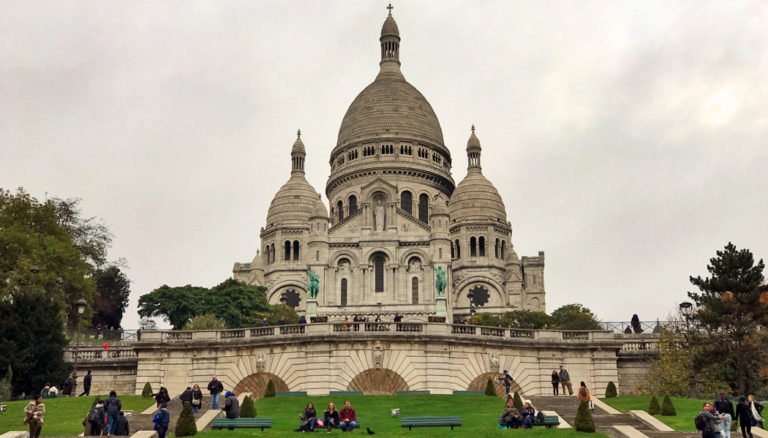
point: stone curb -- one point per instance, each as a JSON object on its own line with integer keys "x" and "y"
{"x": 605, "y": 406}
{"x": 650, "y": 420}
{"x": 629, "y": 432}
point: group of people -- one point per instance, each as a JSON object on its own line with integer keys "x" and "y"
{"x": 523, "y": 419}
{"x": 714, "y": 420}
{"x": 282, "y": 321}
{"x": 561, "y": 378}
{"x": 51, "y": 391}
{"x": 346, "y": 419}
{"x": 107, "y": 418}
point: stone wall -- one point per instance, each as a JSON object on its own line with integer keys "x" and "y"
{"x": 633, "y": 371}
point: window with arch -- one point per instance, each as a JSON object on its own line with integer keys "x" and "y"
{"x": 424, "y": 207}
{"x": 352, "y": 204}
{"x": 378, "y": 273}
{"x": 343, "y": 291}
{"x": 272, "y": 251}
{"x": 472, "y": 246}
{"x": 496, "y": 249}
{"x": 503, "y": 245}
{"x": 534, "y": 279}
{"x": 481, "y": 246}
{"x": 453, "y": 252}
{"x": 415, "y": 290}
{"x": 295, "y": 249}
{"x": 406, "y": 201}
{"x": 340, "y": 210}
{"x": 458, "y": 249}
{"x": 287, "y": 250}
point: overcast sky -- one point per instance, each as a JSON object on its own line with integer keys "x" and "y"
{"x": 627, "y": 139}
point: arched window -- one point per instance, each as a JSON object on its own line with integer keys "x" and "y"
{"x": 534, "y": 279}
{"x": 424, "y": 208}
{"x": 496, "y": 249}
{"x": 352, "y": 204}
{"x": 340, "y": 209}
{"x": 453, "y": 253}
{"x": 406, "y": 201}
{"x": 343, "y": 291}
{"x": 503, "y": 245}
{"x": 273, "y": 253}
{"x": 458, "y": 249}
{"x": 472, "y": 247}
{"x": 287, "y": 250}
{"x": 414, "y": 290}
{"x": 378, "y": 268}
{"x": 481, "y": 246}
{"x": 295, "y": 249}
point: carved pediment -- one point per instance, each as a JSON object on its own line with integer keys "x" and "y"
{"x": 350, "y": 225}
{"x": 378, "y": 185}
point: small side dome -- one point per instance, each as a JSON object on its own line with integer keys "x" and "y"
{"x": 294, "y": 203}
{"x": 320, "y": 210}
{"x": 439, "y": 206}
{"x": 476, "y": 199}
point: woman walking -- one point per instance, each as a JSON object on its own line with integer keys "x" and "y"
{"x": 584, "y": 395}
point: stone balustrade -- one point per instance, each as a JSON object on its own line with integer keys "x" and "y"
{"x": 100, "y": 354}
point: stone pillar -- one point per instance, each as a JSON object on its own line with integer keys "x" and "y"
{"x": 441, "y": 308}
{"x": 311, "y": 308}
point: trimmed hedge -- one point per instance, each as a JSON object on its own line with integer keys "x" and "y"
{"x": 490, "y": 389}
{"x": 147, "y": 391}
{"x": 185, "y": 425}
{"x": 270, "y": 391}
{"x": 667, "y": 408}
{"x": 518, "y": 403}
{"x": 653, "y": 406}
{"x": 584, "y": 421}
{"x": 248, "y": 410}
{"x": 610, "y": 390}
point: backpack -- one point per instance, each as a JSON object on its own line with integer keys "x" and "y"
{"x": 583, "y": 392}
{"x": 700, "y": 422}
{"x": 93, "y": 415}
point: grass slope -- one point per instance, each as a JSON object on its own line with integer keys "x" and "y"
{"x": 479, "y": 416}
{"x": 687, "y": 409}
{"x": 63, "y": 416}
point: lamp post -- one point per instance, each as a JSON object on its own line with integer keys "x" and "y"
{"x": 81, "y": 305}
{"x": 686, "y": 308}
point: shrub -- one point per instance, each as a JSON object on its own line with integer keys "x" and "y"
{"x": 248, "y": 410}
{"x": 667, "y": 408}
{"x": 653, "y": 407}
{"x": 490, "y": 389}
{"x": 610, "y": 390}
{"x": 147, "y": 391}
{"x": 185, "y": 425}
{"x": 584, "y": 421}
{"x": 518, "y": 403}
{"x": 270, "y": 391}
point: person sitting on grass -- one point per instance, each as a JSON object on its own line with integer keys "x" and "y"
{"x": 308, "y": 418}
{"x": 347, "y": 418}
{"x": 528, "y": 415}
{"x": 331, "y": 417}
{"x": 510, "y": 416}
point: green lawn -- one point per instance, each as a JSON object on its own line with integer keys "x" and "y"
{"x": 63, "y": 416}
{"x": 479, "y": 416}
{"x": 686, "y": 408}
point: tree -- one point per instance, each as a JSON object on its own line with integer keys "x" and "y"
{"x": 730, "y": 319}
{"x": 610, "y": 390}
{"x": 490, "y": 389}
{"x": 270, "y": 391}
{"x": 147, "y": 391}
{"x": 185, "y": 425}
{"x": 575, "y": 317}
{"x": 249, "y": 409}
{"x": 207, "y": 321}
{"x": 668, "y": 374}
{"x": 653, "y": 406}
{"x": 525, "y": 319}
{"x": 6, "y": 384}
{"x": 89, "y": 235}
{"x": 584, "y": 421}
{"x": 667, "y": 408}
{"x": 175, "y": 304}
{"x": 113, "y": 289}
{"x": 273, "y": 314}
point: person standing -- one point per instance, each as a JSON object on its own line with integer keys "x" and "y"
{"x": 186, "y": 396}
{"x": 113, "y": 407}
{"x": 744, "y": 412}
{"x": 507, "y": 381}
{"x": 555, "y": 383}
{"x": 347, "y": 418}
{"x": 584, "y": 395}
{"x": 215, "y": 387}
{"x": 565, "y": 380}
{"x": 33, "y": 416}
{"x": 95, "y": 419}
{"x": 708, "y": 422}
{"x": 231, "y": 405}
{"x": 197, "y": 398}
{"x": 757, "y": 412}
{"x": 162, "y": 419}
{"x": 87, "y": 384}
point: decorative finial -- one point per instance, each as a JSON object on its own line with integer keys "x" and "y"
{"x": 298, "y": 133}
{"x": 473, "y": 128}
{"x": 390, "y": 7}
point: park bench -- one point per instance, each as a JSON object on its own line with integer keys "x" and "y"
{"x": 468, "y": 392}
{"x": 417, "y": 392}
{"x": 291, "y": 393}
{"x": 411, "y": 422}
{"x": 549, "y": 421}
{"x": 346, "y": 393}
{"x": 241, "y": 423}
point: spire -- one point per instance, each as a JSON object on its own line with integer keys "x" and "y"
{"x": 297, "y": 155}
{"x": 473, "y": 152}
{"x": 390, "y": 44}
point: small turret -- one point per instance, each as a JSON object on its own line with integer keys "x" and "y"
{"x": 297, "y": 155}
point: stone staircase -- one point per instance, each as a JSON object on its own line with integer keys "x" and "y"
{"x": 139, "y": 422}
{"x": 566, "y": 407}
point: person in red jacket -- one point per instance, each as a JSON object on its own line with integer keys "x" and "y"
{"x": 347, "y": 418}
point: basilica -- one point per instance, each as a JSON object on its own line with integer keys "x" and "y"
{"x": 396, "y": 215}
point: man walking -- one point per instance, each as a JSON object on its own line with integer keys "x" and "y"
{"x": 757, "y": 412}
{"x": 113, "y": 407}
{"x": 215, "y": 387}
{"x": 565, "y": 380}
{"x": 33, "y": 415}
{"x": 87, "y": 384}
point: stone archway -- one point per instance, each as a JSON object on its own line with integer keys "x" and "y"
{"x": 256, "y": 384}
{"x": 378, "y": 382}
{"x": 480, "y": 381}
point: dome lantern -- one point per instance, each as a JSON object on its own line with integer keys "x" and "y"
{"x": 473, "y": 152}
{"x": 297, "y": 155}
{"x": 390, "y": 43}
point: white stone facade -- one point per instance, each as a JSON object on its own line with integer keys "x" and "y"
{"x": 395, "y": 216}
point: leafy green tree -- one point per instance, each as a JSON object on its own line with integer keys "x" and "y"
{"x": 176, "y": 304}
{"x": 147, "y": 391}
{"x": 653, "y": 406}
{"x": 273, "y": 314}
{"x": 113, "y": 289}
{"x": 610, "y": 390}
{"x": 525, "y": 319}
{"x": 207, "y": 321}
{"x": 668, "y": 374}
{"x": 667, "y": 408}
{"x": 730, "y": 318}
{"x": 584, "y": 421}
{"x": 574, "y": 317}
{"x": 234, "y": 301}
{"x": 185, "y": 425}
{"x": 490, "y": 389}
{"x": 249, "y": 409}
{"x": 270, "y": 391}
